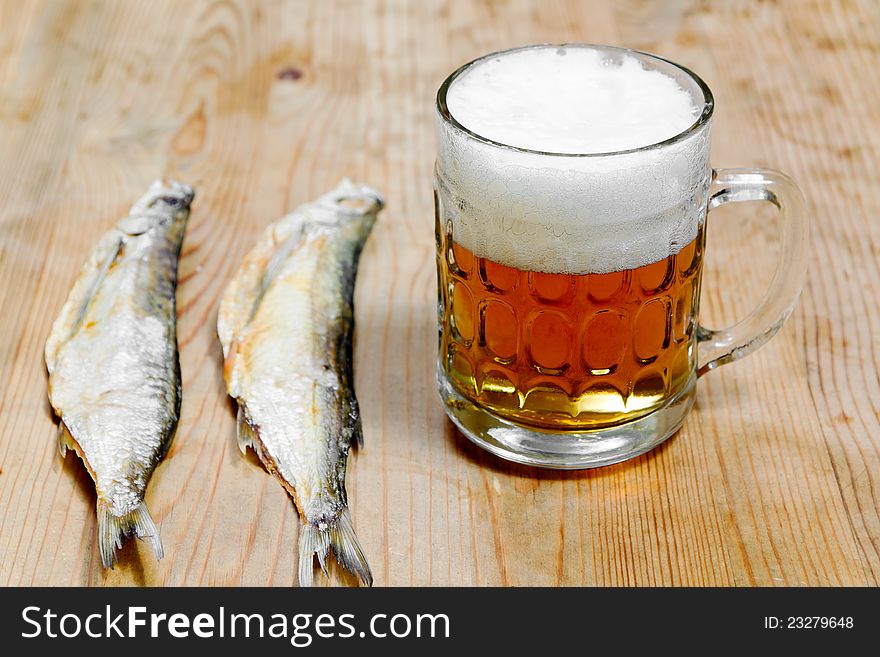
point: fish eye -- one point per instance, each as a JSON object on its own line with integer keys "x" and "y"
{"x": 170, "y": 201}
{"x": 356, "y": 203}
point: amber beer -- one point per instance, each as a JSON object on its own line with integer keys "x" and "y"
{"x": 571, "y": 190}
{"x": 569, "y": 275}
{"x": 567, "y": 351}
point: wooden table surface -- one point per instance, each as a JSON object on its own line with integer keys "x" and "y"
{"x": 773, "y": 480}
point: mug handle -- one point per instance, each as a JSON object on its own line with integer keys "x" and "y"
{"x": 716, "y": 347}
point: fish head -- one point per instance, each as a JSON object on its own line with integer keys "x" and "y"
{"x": 164, "y": 203}
{"x": 349, "y": 198}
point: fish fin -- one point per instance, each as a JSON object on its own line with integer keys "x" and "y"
{"x": 312, "y": 541}
{"x": 322, "y": 561}
{"x": 348, "y": 549}
{"x": 88, "y": 281}
{"x": 349, "y": 554}
{"x": 112, "y": 529}
{"x": 245, "y": 433}
{"x": 65, "y": 440}
{"x": 244, "y": 291}
{"x": 294, "y": 237}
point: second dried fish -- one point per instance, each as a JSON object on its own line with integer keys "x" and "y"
{"x": 286, "y": 323}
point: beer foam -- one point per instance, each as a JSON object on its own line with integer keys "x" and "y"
{"x": 570, "y": 100}
{"x": 586, "y": 207}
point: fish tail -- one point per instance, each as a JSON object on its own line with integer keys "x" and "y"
{"x": 112, "y": 529}
{"x": 314, "y": 541}
{"x": 348, "y": 549}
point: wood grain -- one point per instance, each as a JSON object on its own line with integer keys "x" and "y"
{"x": 775, "y": 478}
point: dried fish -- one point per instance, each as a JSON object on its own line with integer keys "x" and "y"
{"x": 286, "y": 323}
{"x": 114, "y": 373}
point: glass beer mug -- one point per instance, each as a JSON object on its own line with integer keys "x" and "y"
{"x": 569, "y": 253}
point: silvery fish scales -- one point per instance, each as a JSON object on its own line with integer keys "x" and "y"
{"x": 286, "y": 322}
{"x": 114, "y": 373}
